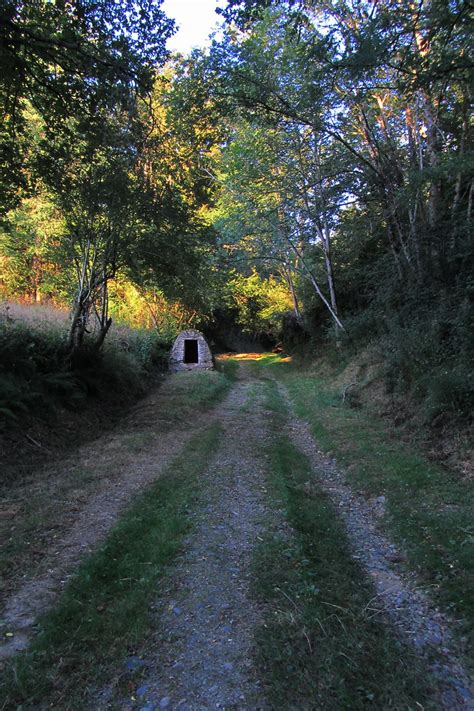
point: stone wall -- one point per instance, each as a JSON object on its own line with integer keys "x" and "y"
{"x": 205, "y": 359}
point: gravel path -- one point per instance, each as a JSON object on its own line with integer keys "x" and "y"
{"x": 201, "y": 657}
{"x": 124, "y": 473}
{"x": 201, "y": 654}
{"x": 409, "y": 609}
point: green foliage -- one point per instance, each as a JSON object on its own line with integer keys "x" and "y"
{"x": 151, "y": 348}
{"x": 173, "y": 248}
{"x": 422, "y": 329}
{"x": 33, "y": 374}
{"x": 426, "y": 345}
{"x": 80, "y": 57}
{"x": 127, "y": 199}
{"x": 362, "y": 134}
{"x": 449, "y": 391}
{"x": 30, "y": 254}
{"x": 337, "y": 162}
{"x": 36, "y": 373}
{"x": 258, "y": 303}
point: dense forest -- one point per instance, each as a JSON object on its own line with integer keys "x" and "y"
{"x": 308, "y": 179}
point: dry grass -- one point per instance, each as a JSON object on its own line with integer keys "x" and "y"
{"x": 42, "y": 316}
{"x": 34, "y": 314}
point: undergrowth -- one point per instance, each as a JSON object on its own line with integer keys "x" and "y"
{"x": 37, "y": 376}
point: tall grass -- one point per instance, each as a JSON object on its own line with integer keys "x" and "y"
{"x": 36, "y": 375}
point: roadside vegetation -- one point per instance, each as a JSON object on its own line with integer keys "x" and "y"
{"x": 38, "y": 377}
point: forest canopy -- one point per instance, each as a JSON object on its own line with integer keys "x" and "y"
{"x": 308, "y": 178}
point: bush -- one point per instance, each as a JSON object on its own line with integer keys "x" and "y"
{"x": 449, "y": 391}
{"x": 33, "y": 371}
{"x": 37, "y": 375}
{"x": 428, "y": 351}
{"x": 424, "y": 334}
{"x": 150, "y": 348}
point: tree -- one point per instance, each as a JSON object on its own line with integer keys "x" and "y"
{"x": 71, "y": 58}
{"x": 274, "y": 210}
{"x": 374, "y": 89}
{"x": 30, "y": 249}
{"x": 265, "y": 72}
{"x": 175, "y": 169}
{"x": 259, "y": 303}
{"x": 91, "y": 177}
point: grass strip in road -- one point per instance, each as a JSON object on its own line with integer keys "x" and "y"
{"x": 322, "y": 646}
{"x": 104, "y": 612}
{"x": 186, "y": 394}
{"x": 429, "y": 511}
{"x": 228, "y": 366}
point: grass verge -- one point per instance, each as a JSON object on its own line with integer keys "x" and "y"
{"x": 103, "y": 614}
{"x": 429, "y": 511}
{"x": 320, "y": 645}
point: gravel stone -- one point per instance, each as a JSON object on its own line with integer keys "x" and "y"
{"x": 398, "y": 597}
{"x": 197, "y": 661}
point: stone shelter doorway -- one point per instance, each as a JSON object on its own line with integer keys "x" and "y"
{"x": 191, "y": 352}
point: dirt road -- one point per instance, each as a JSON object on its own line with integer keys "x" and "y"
{"x": 205, "y": 619}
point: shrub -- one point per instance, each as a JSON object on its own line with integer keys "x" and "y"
{"x": 37, "y": 376}
{"x": 33, "y": 372}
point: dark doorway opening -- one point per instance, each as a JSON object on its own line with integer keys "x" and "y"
{"x": 191, "y": 350}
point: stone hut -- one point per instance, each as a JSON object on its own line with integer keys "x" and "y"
{"x": 191, "y": 352}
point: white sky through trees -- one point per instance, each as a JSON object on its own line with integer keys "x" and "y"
{"x": 196, "y": 20}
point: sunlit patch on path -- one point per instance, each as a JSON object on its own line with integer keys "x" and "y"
{"x": 255, "y": 357}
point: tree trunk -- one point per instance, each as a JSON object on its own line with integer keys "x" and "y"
{"x": 294, "y": 297}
